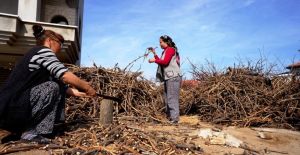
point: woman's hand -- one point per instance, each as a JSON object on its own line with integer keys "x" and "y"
{"x": 75, "y": 92}
{"x": 151, "y": 60}
{"x": 91, "y": 91}
{"x": 152, "y": 50}
{"x": 73, "y": 80}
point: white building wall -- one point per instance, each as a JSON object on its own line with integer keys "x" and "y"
{"x": 28, "y": 10}
{"x": 53, "y": 8}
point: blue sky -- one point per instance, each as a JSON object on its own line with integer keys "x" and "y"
{"x": 220, "y": 31}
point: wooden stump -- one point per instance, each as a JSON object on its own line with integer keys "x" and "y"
{"x": 106, "y": 112}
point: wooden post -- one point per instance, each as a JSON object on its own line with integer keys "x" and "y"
{"x": 106, "y": 112}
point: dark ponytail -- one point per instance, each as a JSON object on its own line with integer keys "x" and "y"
{"x": 169, "y": 41}
{"x": 41, "y": 34}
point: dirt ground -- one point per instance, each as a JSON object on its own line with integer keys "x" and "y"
{"x": 273, "y": 141}
{"x": 276, "y": 141}
{"x": 279, "y": 141}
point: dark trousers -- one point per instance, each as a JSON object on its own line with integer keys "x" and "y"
{"x": 171, "y": 96}
{"x": 48, "y": 103}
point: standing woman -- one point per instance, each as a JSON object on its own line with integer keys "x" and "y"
{"x": 168, "y": 71}
{"x": 32, "y": 99}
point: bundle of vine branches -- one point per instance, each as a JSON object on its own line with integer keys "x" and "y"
{"x": 244, "y": 96}
{"x": 140, "y": 97}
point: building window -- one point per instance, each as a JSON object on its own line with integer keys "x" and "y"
{"x": 59, "y": 20}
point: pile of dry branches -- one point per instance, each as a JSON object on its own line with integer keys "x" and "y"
{"x": 241, "y": 96}
{"x": 121, "y": 138}
{"x": 244, "y": 96}
{"x": 118, "y": 138}
{"x": 139, "y": 96}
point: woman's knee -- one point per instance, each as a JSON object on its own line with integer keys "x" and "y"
{"x": 49, "y": 87}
